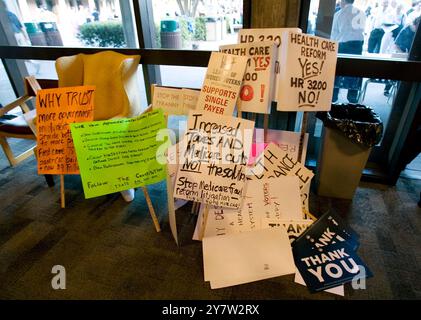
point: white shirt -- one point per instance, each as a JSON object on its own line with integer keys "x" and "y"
{"x": 348, "y": 24}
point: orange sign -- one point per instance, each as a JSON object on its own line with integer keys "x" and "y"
{"x": 56, "y": 109}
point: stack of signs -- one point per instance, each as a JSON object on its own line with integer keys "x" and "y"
{"x": 222, "y": 83}
{"x": 257, "y": 92}
{"x": 213, "y": 166}
{"x": 275, "y": 162}
{"x": 256, "y": 246}
{"x": 120, "y": 154}
{"x": 287, "y": 141}
{"x": 273, "y": 35}
{"x": 266, "y": 204}
{"x": 307, "y": 74}
{"x": 174, "y": 101}
{"x": 325, "y": 254}
{"x": 56, "y": 109}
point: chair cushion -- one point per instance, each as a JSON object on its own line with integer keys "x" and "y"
{"x": 16, "y": 125}
{"x": 114, "y": 76}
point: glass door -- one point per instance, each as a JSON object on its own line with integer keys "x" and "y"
{"x": 385, "y": 30}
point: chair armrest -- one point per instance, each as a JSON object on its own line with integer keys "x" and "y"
{"x": 17, "y": 103}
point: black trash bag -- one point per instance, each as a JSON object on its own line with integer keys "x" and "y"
{"x": 358, "y": 122}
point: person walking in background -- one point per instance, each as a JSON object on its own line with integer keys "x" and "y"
{"x": 376, "y": 34}
{"x": 348, "y": 29}
{"x": 404, "y": 39}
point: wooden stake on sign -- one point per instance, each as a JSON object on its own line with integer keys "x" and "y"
{"x": 204, "y": 221}
{"x": 194, "y": 207}
{"x": 62, "y": 192}
{"x": 304, "y": 121}
{"x": 265, "y": 126}
{"x": 302, "y": 135}
{"x": 151, "y": 209}
{"x": 307, "y": 213}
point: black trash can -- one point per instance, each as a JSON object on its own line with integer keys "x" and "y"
{"x": 349, "y": 133}
{"x": 51, "y": 33}
{"x": 36, "y": 36}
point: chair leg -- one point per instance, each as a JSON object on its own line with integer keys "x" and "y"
{"x": 7, "y": 151}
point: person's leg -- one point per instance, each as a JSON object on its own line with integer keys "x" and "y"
{"x": 372, "y": 40}
{"x": 335, "y": 95}
{"x": 352, "y": 95}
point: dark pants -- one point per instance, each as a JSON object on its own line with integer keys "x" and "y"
{"x": 353, "y": 84}
{"x": 375, "y": 40}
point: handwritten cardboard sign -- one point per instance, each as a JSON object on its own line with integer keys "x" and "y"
{"x": 121, "y": 154}
{"x": 189, "y": 100}
{"x": 275, "y": 162}
{"x": 267, "y": 34}
{"x": 56, "y": 109}
{"x": 308, "y": 72}
{"x": 222, "y": 83}
{"x": 175, "y": 101}
{"x": 287, "y": 141}
{"x": 257, "y": 91}
{"x": 267, "y": 202}
{"x": 213, "y": 167}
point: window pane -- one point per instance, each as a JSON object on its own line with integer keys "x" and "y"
{"x": 186, "y": 77}
{"x": 195, "y": 24}
{"x": 6, "y": 91}
{"x": 384, "y": 28}
{"x": 70, "y": 23}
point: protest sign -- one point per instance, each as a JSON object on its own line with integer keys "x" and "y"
{"x": 287, "y": 141}
{"x": 168, "y": 99}
{"x": 222, "y": 83}
{"x": 189, "y": 99}
{"x": 307, "y": 74}
{"x": 274, "y": 162}
{"x": 121, "y": 154}
{"x": 246, "y": 257}
{"x": 267, "y": 34}
{"x": 174, "y": 101}
{"x": 325, "y": 254}
{"x": 213, "y": 167}
{"x": 257, "y": 91}
{"x": 339, "y": 290}
{"x": 329, "y": 228}
{"x": 330, "y": 267}
{"x": 266, "y": 204}
{"x": 56, "y": 109}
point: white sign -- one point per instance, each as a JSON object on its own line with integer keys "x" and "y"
{"x": 257, "y": 92}
{"x": 274, "y": 162}
{"x": 267, "y": 203}
{"x": 189, "y": 98}
{"x": 222, "y": 83}
{"x": 287, "y": 141}
{"x": 213, "y": 167}
{"x": 246, "y": 257}
{"x": 174, "y": 101}
{"x": 267, "y": 34}
{"x": 307, "y": 74}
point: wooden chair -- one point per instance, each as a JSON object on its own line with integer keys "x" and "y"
{"x": 17, "y": 127}
{"x": 117, "y": 92}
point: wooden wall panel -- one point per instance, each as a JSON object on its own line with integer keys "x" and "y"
{"x": 275, "y": 13}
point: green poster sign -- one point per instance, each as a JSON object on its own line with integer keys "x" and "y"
{"x": 121, "y": 154}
